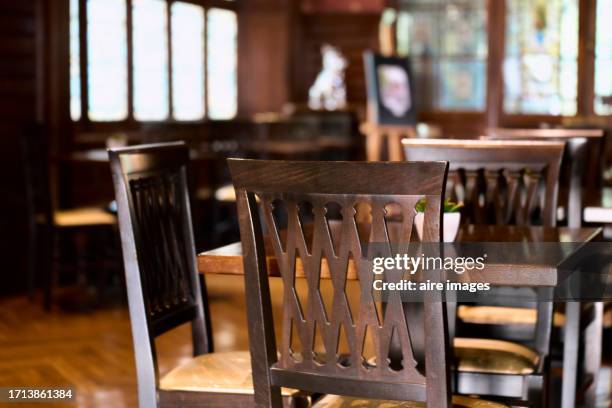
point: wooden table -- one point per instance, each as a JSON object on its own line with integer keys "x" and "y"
{"x": 228, "y": 260}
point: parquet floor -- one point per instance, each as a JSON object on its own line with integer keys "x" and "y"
{"x": 93, "y": 351}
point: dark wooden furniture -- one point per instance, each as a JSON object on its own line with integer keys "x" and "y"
{"x": 503, "y": 183}
{"x": 500, "y": 182}
{"x": 162, "y": 281}
{"x": 533, "y": 159}
{"x": 303, "y": 364}
{"x": 47, "y": 224}
{"x": 229, "y": 260}
{"x": 577, "y": 142}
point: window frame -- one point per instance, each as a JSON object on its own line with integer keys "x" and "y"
{"x": 585, "y": 92}
{"x": 84, "y": 124}
{"x": 493, "y": 114}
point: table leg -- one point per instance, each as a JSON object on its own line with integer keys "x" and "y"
{"x": 570, "y": 354}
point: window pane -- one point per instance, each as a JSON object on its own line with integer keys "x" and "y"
{"x": 107, "y": 65}
{"x": 150, "y": 59}
{"x": 540, "y": 74}
{"x": 187, "y": 61}
{"x": 603, "y": 59}
{"x": 75, "y": 57}
{"x": 222, "y": 64}
{"x": 463, "y": 86}
{"x": 446, "y": 41}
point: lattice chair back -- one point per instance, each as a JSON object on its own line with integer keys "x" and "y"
{"x": 304, "y": 213}
{"x": 158, "y": 251}
{"x": 500, "y": 182}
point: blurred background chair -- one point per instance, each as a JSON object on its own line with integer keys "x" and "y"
{"x": 503, "y": 183}
{"x": 90, "y": 228}
{"x": 582, "y": 165}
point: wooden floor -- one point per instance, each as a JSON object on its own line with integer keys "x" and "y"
{"x": 92, "y": 351}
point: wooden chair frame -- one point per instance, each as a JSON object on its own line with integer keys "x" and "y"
{"x": 344, "y": 183}
{"x": 538, "y": 156}
{"x": 158, "y": 173}
{"x": 44, "y": 227}
{"x": 577, "y": 141}
{"x": 493, "y": 156}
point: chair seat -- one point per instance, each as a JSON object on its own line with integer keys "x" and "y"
{"x": 83, "y": 217}
{"x": 335, "y": 401}
{"x": 224, "y": 372}
{"x": 501, "y": 315}
{"x": 494, "y": 356}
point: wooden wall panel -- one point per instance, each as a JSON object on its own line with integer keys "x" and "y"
{"x": 18, "y": 85}
{"x": 263, "y": 66}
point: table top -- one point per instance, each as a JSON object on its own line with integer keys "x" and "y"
{"x": 228, "y": 259}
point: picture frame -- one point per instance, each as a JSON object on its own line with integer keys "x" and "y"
{"x": 390, "y": 90}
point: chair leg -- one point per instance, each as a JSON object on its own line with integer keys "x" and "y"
{"x": 570, "y": 354}
{"x": 33, "y": 260}
{"x": 535, "y": 391}
{"x": 52, "y": 259}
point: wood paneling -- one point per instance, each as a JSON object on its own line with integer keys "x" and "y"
{"x": 264, "y": 35}
{"x": 18, "y": 84}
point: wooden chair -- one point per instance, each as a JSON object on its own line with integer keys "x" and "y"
{"x": 577, "y": 143}
{"x": 311, "y": 353}
{"x": 48, "y": 224}
{"x": 502, "y": 182}
{"x": 162, "y": 282}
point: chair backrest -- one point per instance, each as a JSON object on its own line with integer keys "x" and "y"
{"x": 500, "y": 182}
{"x": 158, "y": 252}
{"x": 325, "y": 251}
{"x": 35, "y": 150}
{"x": 582, "y": 166}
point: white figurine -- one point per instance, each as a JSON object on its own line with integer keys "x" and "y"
{"x": 329, "y": 91}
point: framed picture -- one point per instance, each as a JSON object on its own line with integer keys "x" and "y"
{"x": 390, "y": 90}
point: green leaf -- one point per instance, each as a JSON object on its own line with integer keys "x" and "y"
{"x": 449, "y": 206}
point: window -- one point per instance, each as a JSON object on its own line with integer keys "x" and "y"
{"x": 541, "y": 53}
{"x": 107, "y": 60}
{"x": 222, "y": 67}
{"x": 187, "y": 61}
{"x": 603, "y": 59}
{"x": 182, "y": 56}
{"x": 75, "y": 57}
{"x": 150, "y": 59}
{"x": 450, "y": 69}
